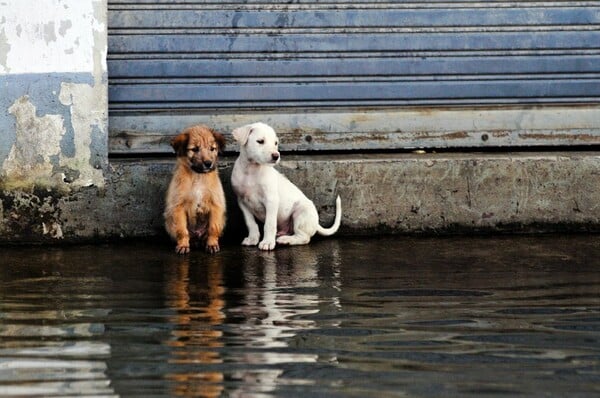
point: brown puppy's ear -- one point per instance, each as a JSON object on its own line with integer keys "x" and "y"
{"x": 220, "y": 140}
{"x": 180, "y": 143}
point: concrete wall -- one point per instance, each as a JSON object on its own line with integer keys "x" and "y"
{"x": 53, "y": 109}
{"x": 390, "y": 194}
{"x": 58, "y": 185}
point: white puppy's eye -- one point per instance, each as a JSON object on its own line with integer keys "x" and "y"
{"x": 260, "y": 141}
{"x": 276, "y": 143}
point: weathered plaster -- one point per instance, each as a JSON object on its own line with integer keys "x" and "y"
{"x": 64, "y": 27}
{"x": 100, "y": 52}
{"x": 53, "y": 113}
{"x": 29, "y": 162}
{"x": 30, "y": 216}
{"x": 49, "y": 32}
{"x": 43, "y": 41}
{"x": 4, "y": 45}
{"x": 43, "y": 91}
{"x": 57, "y": 148}
{"x": 88, "y": 160}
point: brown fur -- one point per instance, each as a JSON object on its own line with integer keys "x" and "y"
{"x": 195, "y": 202}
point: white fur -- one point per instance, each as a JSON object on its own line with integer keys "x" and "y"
{"x": 289, "y": 217}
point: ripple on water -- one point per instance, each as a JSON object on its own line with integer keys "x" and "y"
{"x": 385, "y": 317}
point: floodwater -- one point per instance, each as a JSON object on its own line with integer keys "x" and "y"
{"x": 386, "y": 317}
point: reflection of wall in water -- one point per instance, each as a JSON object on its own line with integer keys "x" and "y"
{"x": 50, "y": 331}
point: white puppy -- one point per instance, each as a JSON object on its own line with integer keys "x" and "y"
{"x": 289, "y": 217}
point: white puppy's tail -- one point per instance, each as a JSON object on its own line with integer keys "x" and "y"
{"x": 336, "y": 223}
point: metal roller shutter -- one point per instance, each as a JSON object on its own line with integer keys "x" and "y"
{"x": 356, "y": 74}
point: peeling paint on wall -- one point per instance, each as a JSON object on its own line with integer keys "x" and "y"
{"x": 84, "y": 115}
{"x": 37, "y": 140}
{"x": 64, "y": 26}
{"x": 43, "y": 92}
{"x": 44, "y": 110}
{"x": 37, "y": 158}
{"x": 53, "y": 113}
{"x": 49, "y": 32}
{"x": 4, "y": 46}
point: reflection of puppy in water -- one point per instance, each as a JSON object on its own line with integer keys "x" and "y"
{"x": 194, "y": 296}
{"x": 195, "y": 203}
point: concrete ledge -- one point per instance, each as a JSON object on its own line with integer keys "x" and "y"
{"x": 395, "y": 193}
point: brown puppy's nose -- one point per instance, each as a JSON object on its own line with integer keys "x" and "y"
{"x": 275, "y": 156}
{"x": 207, "y": 164}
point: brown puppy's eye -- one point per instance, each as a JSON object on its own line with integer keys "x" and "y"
{"x": 212, "y": 149}
{"x": 260, "y": 141}
{"x": 195, "y": 149}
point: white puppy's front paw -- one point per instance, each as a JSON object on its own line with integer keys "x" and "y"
{"x": 250, "y": 241}
{"x": 267, "y": 244}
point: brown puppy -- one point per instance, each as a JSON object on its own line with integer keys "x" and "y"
{"x": 195, "y": 202}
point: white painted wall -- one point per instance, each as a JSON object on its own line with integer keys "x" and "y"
{"x": 48, "y": 36}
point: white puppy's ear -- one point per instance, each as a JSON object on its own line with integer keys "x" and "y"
{"x": 241, "y": 134}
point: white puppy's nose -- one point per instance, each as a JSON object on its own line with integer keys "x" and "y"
{"x": 275, "y": 156}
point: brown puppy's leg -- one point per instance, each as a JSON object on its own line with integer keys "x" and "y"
{"x": 216, "y": 223}
{"x": 180, "y": 230}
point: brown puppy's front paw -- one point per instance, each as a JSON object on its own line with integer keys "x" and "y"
{"x": 212, "y": 249}
{"x": 182, "y": 248}
{"x": 212, "y": 246}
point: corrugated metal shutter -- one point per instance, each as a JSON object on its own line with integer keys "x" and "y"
{"x": 356, "y": 74}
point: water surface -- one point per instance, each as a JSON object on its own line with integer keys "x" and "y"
{"x": 386, "y": 317}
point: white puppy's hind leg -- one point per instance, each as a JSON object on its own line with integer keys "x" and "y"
{"x": 305, "y": 220}
{"x": 299, "y": 238}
